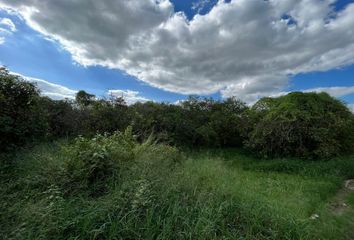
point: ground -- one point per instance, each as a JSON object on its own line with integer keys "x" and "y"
{"x": 211, "y": 194}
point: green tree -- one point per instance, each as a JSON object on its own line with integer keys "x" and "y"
{"x": 308, "y": 125}
{"x": 84, "y": 99}
{"x": 62, "y": 117}
{"x": 21, "y": 118}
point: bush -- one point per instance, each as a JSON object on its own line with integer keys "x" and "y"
{"x": 93, "y": 163}
{"x": 307, "y": 125}
{"x": 194, "y": 122}
{"x": 21, "y": 118}
{"x": 62, "y": 118}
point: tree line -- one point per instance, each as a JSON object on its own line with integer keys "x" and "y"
{"x": 308, "y": 125}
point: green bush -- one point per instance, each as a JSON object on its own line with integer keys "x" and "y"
{"x": 22, "y": 120}
{"x": 62, "y": 118}
{"x": 308, "y": 125}
{"x": 93, "y": 163}
{"x": 194, "y": 122}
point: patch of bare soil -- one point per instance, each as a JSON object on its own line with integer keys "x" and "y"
{"x": 338, "y": 205}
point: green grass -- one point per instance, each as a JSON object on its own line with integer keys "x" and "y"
{"x": 351, "y": 199}
{"x": 211, "y": 194}
{"x": 289, "y": 190}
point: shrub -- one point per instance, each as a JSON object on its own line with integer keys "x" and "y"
{"x": 154, "y": 159}
{"x": 93, "y": 163}
{"x": 21, "y": 117}
{"x": 308, "y": 125}
{"x": 194, "y": 122}
{"x": 63, "y": 119}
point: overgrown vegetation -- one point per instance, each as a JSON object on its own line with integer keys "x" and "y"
{"x": 306, "y": 125}
{"x": 113, "y": 171}
{"x": 21, "y": 116}
{"x": 90, "y": 164}
{"x": 221, "y": 194}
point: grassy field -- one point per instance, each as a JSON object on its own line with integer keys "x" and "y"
{"x": 209, "y": 194}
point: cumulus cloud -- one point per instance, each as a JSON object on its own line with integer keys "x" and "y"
{"x": 51, "y": 90}
{"x": 129, "y": 96}
{"x": 241, "y": 47}
{"x": 7, "y": 27}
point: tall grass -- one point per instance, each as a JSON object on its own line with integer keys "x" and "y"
{"x": 160, "y": 194}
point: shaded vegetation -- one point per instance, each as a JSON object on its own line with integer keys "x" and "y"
{"x": 306, "y": 125}
{"x": 21, "y": 116}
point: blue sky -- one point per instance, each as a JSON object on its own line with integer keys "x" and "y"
{"x": 27, "y": 51}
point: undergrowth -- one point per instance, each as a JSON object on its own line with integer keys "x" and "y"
{"x": 112, "y": 187}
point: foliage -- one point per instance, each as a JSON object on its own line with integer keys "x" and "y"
{"x": 91, "y": 163}
{"x": 307, "y": 125}
{"x": 21, "y": 117}
{"x": 84, "y": 99}
{"x": 195, "y": 122}
{"x": 219, "y": 194}
{"x": 62, "y": 118}
{"x": 106, "y": 116}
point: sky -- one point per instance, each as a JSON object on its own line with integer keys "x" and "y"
{"x": 165, "y": 50}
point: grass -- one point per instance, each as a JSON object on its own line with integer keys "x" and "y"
{"x": 211, "y": 194}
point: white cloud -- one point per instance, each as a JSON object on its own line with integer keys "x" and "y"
{"x": 250, "y": 89}
{"x": 200, "y": 5}
{"x": 253, "y": 93}
{"x": 243, "y": 48}
{"x": 59, "y": 92}
{"x": 129, "y": 96}
{"x": 179, "y": 102}
{"x": 7, "y": 27}
{"x": 351, "y": 107}
{"x": 334, "y": 91}
{"x": 54, "y": 91}
{"x": 51, "y": 90}
{"x": 8, "y": 24}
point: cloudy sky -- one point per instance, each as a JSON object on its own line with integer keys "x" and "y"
{"x": 165, "y": 50}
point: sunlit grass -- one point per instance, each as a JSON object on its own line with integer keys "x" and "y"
{"x": 211, "y": 194}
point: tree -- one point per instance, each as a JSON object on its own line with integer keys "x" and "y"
{"x": 21, "y": 118}
{"x": 308, "y": 125}
{"x": 62, "y": 117}
{"x": 84, "y": 99}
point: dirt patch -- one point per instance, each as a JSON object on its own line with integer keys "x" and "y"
{"x": 339, "y": 206}
{"x": 349, "y": 184}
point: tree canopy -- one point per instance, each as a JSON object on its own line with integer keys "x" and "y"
{"x": 308, "y": 125}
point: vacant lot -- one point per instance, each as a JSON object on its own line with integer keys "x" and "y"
{"x": 207, "y": 194}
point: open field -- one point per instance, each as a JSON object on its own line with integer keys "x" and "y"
{"x": 209, "y": 194}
